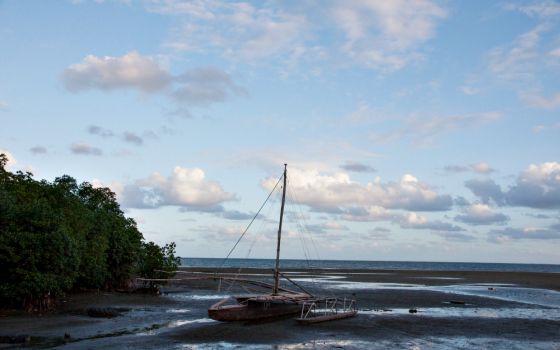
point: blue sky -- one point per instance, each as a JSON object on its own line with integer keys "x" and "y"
{"x": 413, "y": 130}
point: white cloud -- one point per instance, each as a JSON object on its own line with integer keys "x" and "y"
{"x": 131, "y": 137}
{"x": 215, "y": 233}
{"x": 469, "y": 90}
{"x": 380, "y": 35}
{"x": 3, "y": 105}
{"x": 114, "y": 186}
{"x": 482, "y": 168}
{"x": 199, "y": 86}
{"x": 423, "y": 130}
{"x": 205, "y": 85}
{"x": 11, "y": 160}
{"x": 369, "y": 214}
{"x": 510, "y": 234}
{"x": 377, "y": 234}
{"x": 518, "y": 61}
{"x": 542, "y": 128}
{"x": 324, "y": 227}
{"x": 546, "y": 8}
{"x": 330, "y": 192}
{"x": 365, "y": 113}
{"x": 486, "y": 190}
{"x": 185, "y": 187}
{"x": 416, "y": 221}
{"x": 129, "y": 71}
{"x": 555, "y": 52}
{"x": 455, "y": 236}
{"x": 197, "y": 8}
{"x": 357, "y": 167}
{"x": 38, "y": 150}
{"x": 481, "y": 214}
{"x": 85, "y": 149}
{"x": 238, "y": 29}
{"x": 456, "y": 168}
{"x": 384, "y": 34}
{"x": 545, "y": 102}
{"x": 100, "y": 131}
{"x": 531, "y": 58}
{"x": 537, "y": 187}
{"x": 409, "y": 220}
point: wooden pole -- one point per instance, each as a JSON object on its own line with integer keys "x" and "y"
{"x": 276, "y": 269}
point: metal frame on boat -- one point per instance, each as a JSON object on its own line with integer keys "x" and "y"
{"x": 327, "y": 309}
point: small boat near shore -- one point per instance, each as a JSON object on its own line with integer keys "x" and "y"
{"x": 280, "y": 302}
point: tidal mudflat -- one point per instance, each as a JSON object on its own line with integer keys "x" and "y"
{"x": 404, "y": 309}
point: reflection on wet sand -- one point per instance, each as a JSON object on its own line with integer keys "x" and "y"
{"x": 451, "y": 311}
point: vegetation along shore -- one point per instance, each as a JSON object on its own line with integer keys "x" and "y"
{"x": 61, "y": 236}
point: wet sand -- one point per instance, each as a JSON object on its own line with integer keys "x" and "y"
{"x": 498, "y": 310}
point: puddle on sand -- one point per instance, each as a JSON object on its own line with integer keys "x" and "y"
{"x": 178, "y": 311}
{"x": 518, "y": 313}
{"x": 372, "y": 285}
{"x": 183, "y": 296}
{"x": 318, "y": 278}
{"x": 404, "y": 342}
{"x": 508, "y": 292}
{"x": 533, "y": 296}
{"x": 179, "y": 323}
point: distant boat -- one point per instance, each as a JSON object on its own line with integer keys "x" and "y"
{"x": 281, "y": 302}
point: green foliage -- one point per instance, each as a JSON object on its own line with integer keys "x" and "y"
{"x": 60, "y": 236}
{"x": 158, "y": 262}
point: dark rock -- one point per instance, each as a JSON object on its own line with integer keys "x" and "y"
{"x": 15, "y": 339}
{"x": 105, "y": 312}
{"x": 412, "y": 311}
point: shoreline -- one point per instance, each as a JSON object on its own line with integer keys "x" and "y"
{"x": 544, "y": 280}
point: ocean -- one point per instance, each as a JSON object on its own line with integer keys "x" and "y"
{"x": 372, "y": 265}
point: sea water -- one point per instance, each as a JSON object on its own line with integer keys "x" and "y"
{"x": 372, "y": 265}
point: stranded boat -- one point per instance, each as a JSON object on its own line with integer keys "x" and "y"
{"x": 282, "y": 302}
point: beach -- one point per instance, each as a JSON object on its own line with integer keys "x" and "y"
{"x": 397, "y": 308}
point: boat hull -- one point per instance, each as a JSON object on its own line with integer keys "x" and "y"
{"x": 252, "y": 310}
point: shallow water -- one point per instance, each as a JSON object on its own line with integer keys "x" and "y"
{"x": 407, "y": 344}
{"x": 519, "y": 313}
{"x": 165, "y": 325}
{"x": 187, "y": 296}
{"x": 533, "y": 296}
{"x": 508, "y": 292}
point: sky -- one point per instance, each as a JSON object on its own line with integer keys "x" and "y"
{"x": 413, "y": 130}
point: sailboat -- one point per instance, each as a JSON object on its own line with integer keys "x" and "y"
{"x": 281, "y": 301}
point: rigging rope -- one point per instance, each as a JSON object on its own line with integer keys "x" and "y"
{"x": 306, "y": 225}
{"x": 255, "y": 239}
{"x": 300, "y": 228}
{"x": 248, "y": 226}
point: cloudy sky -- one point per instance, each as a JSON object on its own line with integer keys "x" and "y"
{"x": 413, "y": 130}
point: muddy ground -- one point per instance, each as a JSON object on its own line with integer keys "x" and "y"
{"x": 454, "y": 310}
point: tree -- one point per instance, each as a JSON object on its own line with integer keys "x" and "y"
{"x": 158, "y": 262}
{"x": 59, "y": 236}
{"x": 38, "y": 247}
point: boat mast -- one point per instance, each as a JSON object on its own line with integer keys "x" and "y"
{"x": 277, "y": 270}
